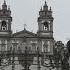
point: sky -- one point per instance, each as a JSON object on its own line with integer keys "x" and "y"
{"x": 27, "y": 12}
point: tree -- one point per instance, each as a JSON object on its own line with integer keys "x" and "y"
{"x": 68, "y": 46}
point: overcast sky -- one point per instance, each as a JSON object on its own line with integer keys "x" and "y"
{"x": 26, "y": 12}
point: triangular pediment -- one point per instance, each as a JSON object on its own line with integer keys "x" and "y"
{"x": 24, "y": 33}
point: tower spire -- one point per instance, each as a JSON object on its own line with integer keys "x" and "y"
{"x": 45, "y": 7}
{"x": 41, "y": 8}
{"x": 4, "y": 1}
{"x": 4, "y": 6}
{"x": 50, "y": 8}
{"x": 45, "y": 3}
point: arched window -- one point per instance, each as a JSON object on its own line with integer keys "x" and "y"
{"x": 4, "y": 25}
{"x": 46, "y": 26}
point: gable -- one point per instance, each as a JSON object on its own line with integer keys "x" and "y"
{"x": 24, "y": 33}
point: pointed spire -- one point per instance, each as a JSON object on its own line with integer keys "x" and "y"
{"x": 4, "y": 6}
{"x": 50, "y": 8}
{"x": 4, "y": 2}
{"x": 8, "y": 7}
{"x": 45, "y": 3}
{"x": 45, "y": 7}
{"x": 41, "y": 8}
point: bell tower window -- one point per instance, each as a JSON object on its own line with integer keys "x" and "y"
{"x": 45, "y": 25}
{"x": 4, "y": 25}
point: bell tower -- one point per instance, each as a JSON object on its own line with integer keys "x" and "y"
{"x": 45, "y": 22}
{"x": 5, "y": 20}
{"x": 45, "y": 28}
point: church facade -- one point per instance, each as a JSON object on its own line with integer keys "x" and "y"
{"x": 19, "y": 40}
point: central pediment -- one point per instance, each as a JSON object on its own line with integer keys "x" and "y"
{"x": 24, "y": 33}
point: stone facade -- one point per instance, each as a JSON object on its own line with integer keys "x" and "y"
{"x": 19, "y": 40}
{"x": 42, "y": 39}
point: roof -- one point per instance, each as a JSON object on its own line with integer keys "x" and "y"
{"x": 25, "y": 33}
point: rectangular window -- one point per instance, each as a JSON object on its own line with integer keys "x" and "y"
{"x": 3, "y": 45}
